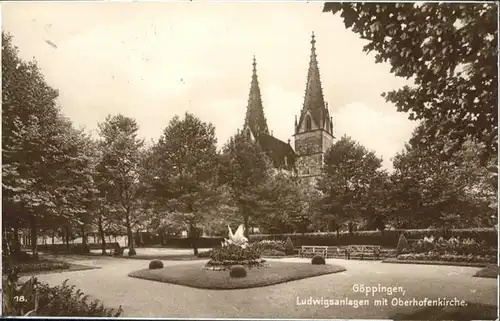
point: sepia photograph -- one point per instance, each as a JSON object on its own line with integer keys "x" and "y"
{"x": 250, "y": 160}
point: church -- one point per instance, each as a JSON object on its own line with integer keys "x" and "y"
{"x": 313, "y": 133}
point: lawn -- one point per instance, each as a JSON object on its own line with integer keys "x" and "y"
{"x": 490, "y": 271}
{"x": 193, "y": 275}
{"x": 473, "y": 311}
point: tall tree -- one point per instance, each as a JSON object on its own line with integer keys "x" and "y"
{"x": 285, "y": 204}
{"x": 119, "y": 168}
{"x": 245, "y": 170}
{"x": 429, "y": 190}
{"x": 352, "y": 175}
{"x": 186, "y": 175}
{"x": 450, "y": 50}
{"x": 44, "y": 166}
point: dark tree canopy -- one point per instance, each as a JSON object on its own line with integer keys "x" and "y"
{"x": 450, "y": 50}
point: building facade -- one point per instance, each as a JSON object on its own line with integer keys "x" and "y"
{"x": 313, "y": 128}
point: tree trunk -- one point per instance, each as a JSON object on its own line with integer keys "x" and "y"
{"x": 161, "y": 237}
{"x": 34, "y": 237}
{"x": 66, "y": 236}
{"x": 193, "y": 235}
{"x": 130, "y": 236}
{"x": 53, "y": 236}
{"x": 84, "y": 239}
{"x": 101, "y": 233}
{"x": 16, "y": 246}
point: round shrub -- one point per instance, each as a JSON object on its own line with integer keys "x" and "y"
{"x": 204, "y": 254}
{"x": 131, "y": 252}
{"x": 318, "y": 260}
{"x": 238, "y": 271}
{"x": 155, "y": 264}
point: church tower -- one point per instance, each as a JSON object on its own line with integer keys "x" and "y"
{"x": 255, "y": 121}
{"x": 314, "y": 128}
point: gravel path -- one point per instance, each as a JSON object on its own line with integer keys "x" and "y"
{"x": 142, "y": 298}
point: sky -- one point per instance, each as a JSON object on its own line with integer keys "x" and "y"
{"x": 152, "y": 61}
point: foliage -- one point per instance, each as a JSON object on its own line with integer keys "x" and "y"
{"x": 238, "y": 271}
{"x": 233, "y": 254}
{"x": 318, "y": 260}
{"x": 285, "y": 201}
{"x": 289, "y": 248}
{"x": 450, "y": 51}
{"x": 272, "y": 252}
{"x": 429, "y": 190}
{"x": 434, "y": 256}
{"x": 454, "y": 245}
{"x": 43, "y": 300}
{"x": 42, "y": 265}
{"x": 205, "y": 254}
{"x": 388, "y": 239}
{"x": 185, "y": 177}
{"x": 45, "y": 161}
{"x": 119, "y": 168}
{"x": 245, "y": 170}
{"x": 402, "y": 244}
{"x": 271, "y": 245}
{"x": 353, "y": 183}
{"x": 155, "y": 264}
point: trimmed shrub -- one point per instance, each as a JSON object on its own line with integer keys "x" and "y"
{"x": 402, "y": 244}
{"x": 271, "y": 245}
{"x": 205, "y": 254}
{"x": 388, "y": 239}
{"x": 238, "y": 271}
{"x": 289, "y": 248}
{"x": 132, "y": 252}
{"x": 318, "y": 260}
{"x": 155, "y": 264}
{"x": 272, "y": 252}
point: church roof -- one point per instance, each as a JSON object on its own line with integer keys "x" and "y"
{"x": 255, "y": 118}
{"x": 314, "y": 101}
{"x": 277, "y": 150}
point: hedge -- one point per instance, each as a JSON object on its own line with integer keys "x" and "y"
{"x": 73, "y": 248}
{"x": 184, "y": 242}
{"x": 387, "y": 238}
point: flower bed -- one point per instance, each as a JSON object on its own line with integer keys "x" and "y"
{"x": 42, "y": 265}
{"x": 389, "y": 238}
{"x": 451, "y": 250}
{"x": 233, "y": 254}
{"x": 433, "y": 256}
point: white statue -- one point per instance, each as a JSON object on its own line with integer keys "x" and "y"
{"x": 238, "y": 238}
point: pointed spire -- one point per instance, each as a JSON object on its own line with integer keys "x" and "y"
{"x": 314, "y": 99}
{"x": 255, "y": 118}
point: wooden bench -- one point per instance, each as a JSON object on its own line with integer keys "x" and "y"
{"x": 324, "y": 251}
{"x": 363, "y": 251}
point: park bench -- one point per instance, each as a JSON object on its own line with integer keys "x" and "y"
{"x": 363, "y": 251}
{"x": 324, "y": 251}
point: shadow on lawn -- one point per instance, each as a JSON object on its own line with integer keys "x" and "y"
{"x": 473, "y": 311}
